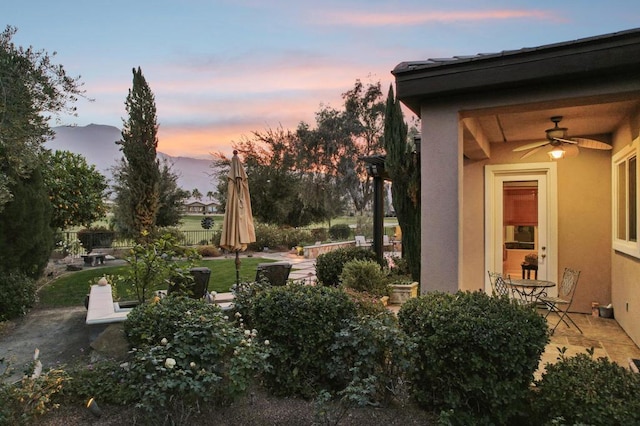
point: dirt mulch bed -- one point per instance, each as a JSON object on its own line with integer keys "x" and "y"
{"x": 257, "y": 409}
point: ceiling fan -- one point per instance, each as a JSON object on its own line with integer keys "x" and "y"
{"x": 557, "y": 138}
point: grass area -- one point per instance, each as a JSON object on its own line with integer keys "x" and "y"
{"x": 70, "y": 289}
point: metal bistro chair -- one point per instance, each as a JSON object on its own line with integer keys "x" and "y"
{"x": 499, "y": 287}
{"x": 560, "y": 305}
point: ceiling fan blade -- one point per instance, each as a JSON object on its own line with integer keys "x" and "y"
{"x": 531, "y": 145}
{"x": 569, "y": 141}
{"x": 571, "y": 150}
{"x": 592, "y": 144}
{"x": 533, "y": 151}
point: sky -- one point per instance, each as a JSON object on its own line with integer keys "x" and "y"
{"x": 221, "y": 70}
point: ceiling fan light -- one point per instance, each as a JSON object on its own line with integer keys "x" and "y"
{"x": 556, "y": 153}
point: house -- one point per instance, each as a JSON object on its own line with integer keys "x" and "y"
{"x": 475, "y": 110}
{"x": 197, "y": 207}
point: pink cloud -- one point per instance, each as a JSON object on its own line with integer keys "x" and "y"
{"x": 395, "y": 19}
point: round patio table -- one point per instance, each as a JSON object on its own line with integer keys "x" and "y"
{"x": 531, "y": 290}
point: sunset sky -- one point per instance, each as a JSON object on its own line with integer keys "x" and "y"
{"x": 222, "y": 69}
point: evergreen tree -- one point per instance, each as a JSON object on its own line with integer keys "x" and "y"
{"x": 171, "y": 198}
{"x": 26, "y": 237}
{"x": 138, "y": 176}
{"x": 403, "y": 167}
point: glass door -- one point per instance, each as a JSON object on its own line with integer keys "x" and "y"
{"x": 520, "y": 221}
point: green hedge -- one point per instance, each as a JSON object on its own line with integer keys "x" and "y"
{"x": 581, "y": 390}
{"x": 329, "y": 265}
{"x": 476, "y": 355}
{"x": 300, "y": 322}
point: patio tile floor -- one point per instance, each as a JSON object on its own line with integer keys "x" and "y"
{"x": 603, "y": 334}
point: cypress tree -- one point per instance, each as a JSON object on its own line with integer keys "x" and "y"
{"x": 403, "y": 168}
{"x": 26, "y": 237}
{"x": 138, "y": 186}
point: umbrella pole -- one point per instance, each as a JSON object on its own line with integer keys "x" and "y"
{"x": 237, "y": 267}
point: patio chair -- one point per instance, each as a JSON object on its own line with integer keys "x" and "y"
{"x": 499, "y": 287}
{"x": 276, "y": 273}
{"x": 560, "y": 305}
{"x": 361, "y": 241}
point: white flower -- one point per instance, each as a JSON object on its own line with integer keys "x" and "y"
{"x": 192, "y": 364}
{"x": 238, "y": 314}
{"x": 254, "y": 332}
{"x": 170, "y": 363}
{"x": 247, "y": 333}
{"x": 266, "y": 342}
{"x": 226, "y": 317}
{"x": 164, "y": 341}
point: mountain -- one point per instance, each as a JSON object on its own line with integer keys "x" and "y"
{"x": 96, "y": 143}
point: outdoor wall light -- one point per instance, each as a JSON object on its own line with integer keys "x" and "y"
{"x": 92, "y": 406}
{"x": 556, "y": 153}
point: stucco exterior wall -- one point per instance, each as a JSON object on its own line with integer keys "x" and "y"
{"x": 441, "y": 166}
{"x": 625, "y": 276}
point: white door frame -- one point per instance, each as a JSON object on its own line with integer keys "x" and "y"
{"x": 493, "y": 214}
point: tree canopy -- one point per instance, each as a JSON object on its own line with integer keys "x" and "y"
{"x": 32, "y": 90}
{"x": 76, "y": 190}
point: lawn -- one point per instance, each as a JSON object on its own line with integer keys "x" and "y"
{"x": 71, "y": 288}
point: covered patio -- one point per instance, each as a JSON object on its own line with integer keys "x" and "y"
{"x": 479, "y": 114}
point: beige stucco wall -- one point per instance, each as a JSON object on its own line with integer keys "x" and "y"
{"x": 584, "y": 217}
{"x": 625, "y": 276}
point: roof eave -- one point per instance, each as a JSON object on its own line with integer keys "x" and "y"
{"x": 586, "y": 58}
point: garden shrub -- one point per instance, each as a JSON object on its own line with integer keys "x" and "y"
{"x": 18, "y": 294}
{"x": 373, "y": 355}
{"x": 21, "y": 403}
{"x": 195, "y": 354}
{"x": 154, "y": 265}
{"x": 365, "y": 276}
{"x": 149, "y": 323}
{"x": 276, "y": 237}
{"x": 319, "y": 234}
{"x": 244, "y": 295}
{"x": 340, "y": 231}
{"x": 476, "y": 354}
{"x": 102, "y": 380}
{"x": 301, "y": 322}
{"x": 208, "y": 251}
{"x": 366, "y": 304}
{"x": 581, "y": 390}
{"x": 329, "y": 265}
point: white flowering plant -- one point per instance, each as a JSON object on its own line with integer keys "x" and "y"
{"x": 203, "y": 357}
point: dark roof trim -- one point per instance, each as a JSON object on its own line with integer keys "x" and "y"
{"x": 589, "y": 57}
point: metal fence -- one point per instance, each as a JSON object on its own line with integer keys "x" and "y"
{"x": 75, "y": 243}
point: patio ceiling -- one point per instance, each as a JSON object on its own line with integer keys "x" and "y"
{"x": 527, "y": 123}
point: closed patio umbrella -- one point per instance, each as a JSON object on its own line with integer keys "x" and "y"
{"x": 237, "y": 228}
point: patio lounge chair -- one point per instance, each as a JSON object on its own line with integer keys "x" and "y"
{"x": 276, "y": 273}
{"x": 560, "y": 305}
